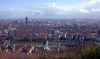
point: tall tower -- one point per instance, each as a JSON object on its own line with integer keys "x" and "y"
{"x": 26, "y": 20}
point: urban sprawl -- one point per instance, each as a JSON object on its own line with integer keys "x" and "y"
{"x": 34, "y": 36}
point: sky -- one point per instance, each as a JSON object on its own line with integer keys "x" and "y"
{"x": 66, "y": 9}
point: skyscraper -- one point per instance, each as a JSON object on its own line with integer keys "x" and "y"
{"x": 26, "y": 20}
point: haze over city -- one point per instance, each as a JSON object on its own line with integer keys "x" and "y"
{"x": 66, "y": 9}
{"x": 49, "y": 29}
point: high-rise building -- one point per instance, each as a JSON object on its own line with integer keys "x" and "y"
{"x": 26, "y": 20}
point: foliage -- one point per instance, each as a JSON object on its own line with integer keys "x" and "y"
{"x": 92, "y": 52}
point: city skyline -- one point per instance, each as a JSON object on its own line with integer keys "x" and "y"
{"x": 66, "y": 9}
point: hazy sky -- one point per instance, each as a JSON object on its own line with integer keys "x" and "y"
{"x": 83, "y": 9}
